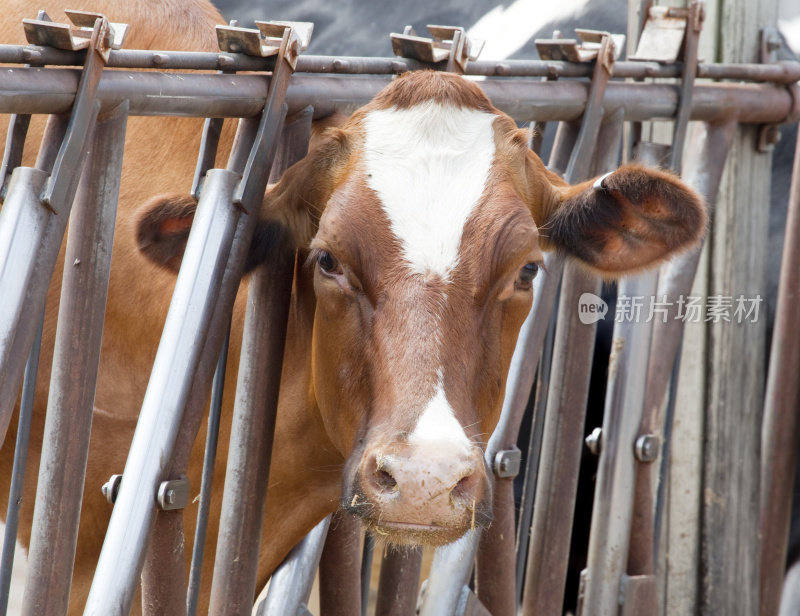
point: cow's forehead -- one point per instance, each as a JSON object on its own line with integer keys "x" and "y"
{"x": 429, "y": 166}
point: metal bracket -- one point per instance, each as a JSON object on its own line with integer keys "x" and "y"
{"x": 45, "y": 32}
{"x": 173, "y": 494}
{"x": 111, "y": 488}
{"x": 671, "y": 34}
{"x": 507, "y": 463}
{"x": 449, "y": 43}
{"x": 267, "y": 39}
{"x": 584, "y": 50}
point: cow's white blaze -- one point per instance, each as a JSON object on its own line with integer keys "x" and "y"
{"x": 438, "y": 423}
{"x": 429, "y": 165}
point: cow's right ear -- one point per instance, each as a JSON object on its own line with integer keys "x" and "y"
{"x": 162, "y": 228}
{"x": 299, "y": 198}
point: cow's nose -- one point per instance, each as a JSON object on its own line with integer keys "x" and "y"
{"x": 432, "y": 486}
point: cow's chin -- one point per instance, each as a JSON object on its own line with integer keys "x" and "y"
{"x": 411, "y": 530}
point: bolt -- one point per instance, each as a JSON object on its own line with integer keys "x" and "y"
{"x": 593, "y": 441}
{"x": 169, "y": 497}
{"x": 646, "y": 448}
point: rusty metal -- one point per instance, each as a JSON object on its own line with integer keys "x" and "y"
{"x": 339, "y": 567}
{"x": 87, "y": 267}
{"x": 448, "y": 44}
{"x": 399, "y": 581}
{"x": 52, "y": 91}
{"x": 786, "y": 72}
{"x": 564, "y": 416}
{"x": 18, "y": 470}
{"x": 781, "y": 426}
{"x": 584, "y": 49}
{"x": 612, "y": 510}
{"x": 244, "y": 498}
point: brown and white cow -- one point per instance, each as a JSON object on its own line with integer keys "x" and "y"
{"x": 420, "y": 224}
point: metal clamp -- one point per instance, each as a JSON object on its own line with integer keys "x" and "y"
{"x": 173, "y": 494}
{"x": 449, "y": 43}
{"x": 45, "y": 32}
{"x": 585, "y": 50}
{"x": 111, "y": 488}
{"x": 507, "y": 463}
{"x": 267, "y": 39}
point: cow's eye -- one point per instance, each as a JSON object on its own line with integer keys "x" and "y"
{"x": 526, "y": 276}
{"x": 327, "y": 263}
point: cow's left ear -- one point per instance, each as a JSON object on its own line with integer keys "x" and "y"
{"x": 627, "y": 220}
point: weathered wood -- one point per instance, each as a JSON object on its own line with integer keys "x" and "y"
{"x": 735, "y": 357}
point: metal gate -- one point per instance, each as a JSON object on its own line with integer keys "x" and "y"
{"x": 520, "y": 562}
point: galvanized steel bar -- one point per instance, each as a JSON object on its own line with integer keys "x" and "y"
{"x": 785, "y": 72}
{"x": 399, "y": 581}
{"x": 450, "y": 571}
{"x": 76, "y": 359}
{"x": 291, "y": 583}
{"x": 192, "y": 305}
{"x": 244, "y": 499}
{"x": 209, "y": 458}
{"x": 339, "y": 567}
{"x": 780, "y": 432}
{"x": 209, "y": 275}
{"x": 569, "y": 381}
{"x": 53, "y": 91}
{"x": 613, "y": 496}
{"x": 25, "y": 270}
{"x": 15, "y": 143}
{"x": 18, "y": 470}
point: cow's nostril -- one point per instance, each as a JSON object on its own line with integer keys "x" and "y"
{"x": 465, "y": 485}
{"x": 385, "y": 480}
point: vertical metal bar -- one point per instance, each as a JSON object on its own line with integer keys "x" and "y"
{"x": 450, "y": 571}
{"x": 399, "y": 581}
{"x": 76, "y": 359}
{"x": 562, "y": 442}
{"x": 292, "y": 581}
{"x": 244, "y": 499}
{"x": 28, "y": 253}
{"x": 613, "y": 496}
{"x": 18, "y": 470}
{"x": 339, "y": 567}
{"x": 15, "y": 143}
{"x": 366, "y": 571}
{"x": 212, "y": 437}
{"x": 178, "y": 355}
{"x": 24, "y": 226}
{"x": 534, "y": 454}
{"x": 204, "y": 294}
{"x": 781, "y": 429}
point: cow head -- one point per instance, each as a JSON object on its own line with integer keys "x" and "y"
{"x": 422, "y": 222}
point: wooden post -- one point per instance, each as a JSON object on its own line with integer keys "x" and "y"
{"x": 735, "y": 355}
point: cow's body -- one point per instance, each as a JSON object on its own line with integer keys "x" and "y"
{"x": 420, "y": 224}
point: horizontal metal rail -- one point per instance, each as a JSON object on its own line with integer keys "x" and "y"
{"x": 52, "y": 91}
{"x": 780, "y": 72}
